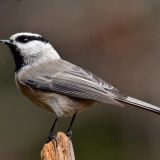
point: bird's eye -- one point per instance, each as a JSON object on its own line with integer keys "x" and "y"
{"x": 26, "y": 38}
{"x": 22, "y": 39}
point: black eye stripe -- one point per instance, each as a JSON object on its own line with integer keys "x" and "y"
{"x": 25, "y": 39}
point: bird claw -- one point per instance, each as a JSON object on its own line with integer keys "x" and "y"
{"x": 69, "y": 134}
{"x": 50, "y": 138}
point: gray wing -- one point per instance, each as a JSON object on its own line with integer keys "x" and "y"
{"x": 73, "y": 81}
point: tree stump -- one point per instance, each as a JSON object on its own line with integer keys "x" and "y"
{"x": 59, "y": 148}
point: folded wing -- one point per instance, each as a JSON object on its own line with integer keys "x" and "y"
{"x": 74, "y": 82}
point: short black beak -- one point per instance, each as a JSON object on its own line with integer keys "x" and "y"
{"x": 7, "y": 42}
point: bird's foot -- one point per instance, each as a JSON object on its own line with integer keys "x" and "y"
{"x": 50, "y": 138}
{"x": 69, "y": 134}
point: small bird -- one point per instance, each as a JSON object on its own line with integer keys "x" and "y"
{"x": 59, "y": 86}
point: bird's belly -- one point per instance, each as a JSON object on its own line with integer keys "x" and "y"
{"x": 56, "y": 103}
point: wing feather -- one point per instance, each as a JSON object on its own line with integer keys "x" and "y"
{"x": 74, "y": 82}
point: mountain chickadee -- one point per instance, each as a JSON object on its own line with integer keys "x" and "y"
{"x": 57, "y": 85}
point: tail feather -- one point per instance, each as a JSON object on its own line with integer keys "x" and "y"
{"x": 140, "y": 104}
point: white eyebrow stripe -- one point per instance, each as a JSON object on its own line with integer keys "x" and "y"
{"x": 25, "y": 34}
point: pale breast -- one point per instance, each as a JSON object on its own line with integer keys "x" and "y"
{"x": 59, "y": 104}
{"x": 36, "y": 96}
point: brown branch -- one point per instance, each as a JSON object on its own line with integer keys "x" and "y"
{"x": 58, "y": 149}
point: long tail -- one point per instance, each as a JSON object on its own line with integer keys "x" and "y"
{"x": 140, "y": 104}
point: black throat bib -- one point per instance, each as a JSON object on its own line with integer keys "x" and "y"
{"x": 18, "y": 58}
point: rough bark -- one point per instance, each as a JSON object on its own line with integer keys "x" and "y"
{"x": 59, "y": 148}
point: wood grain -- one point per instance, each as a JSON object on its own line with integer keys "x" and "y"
{"x": 59, "y": 148}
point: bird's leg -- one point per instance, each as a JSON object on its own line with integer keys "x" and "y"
{"x": 68, "y": 131}
{"x": 50, "y": 135}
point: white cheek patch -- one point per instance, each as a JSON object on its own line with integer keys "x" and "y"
{"x": 30, "y": 48}
{"x": 37, "y": 49}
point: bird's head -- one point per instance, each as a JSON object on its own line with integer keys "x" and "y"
{"x": 30, "y": 48}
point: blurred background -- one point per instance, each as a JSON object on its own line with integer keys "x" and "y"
{"x": 117, "y": 40}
